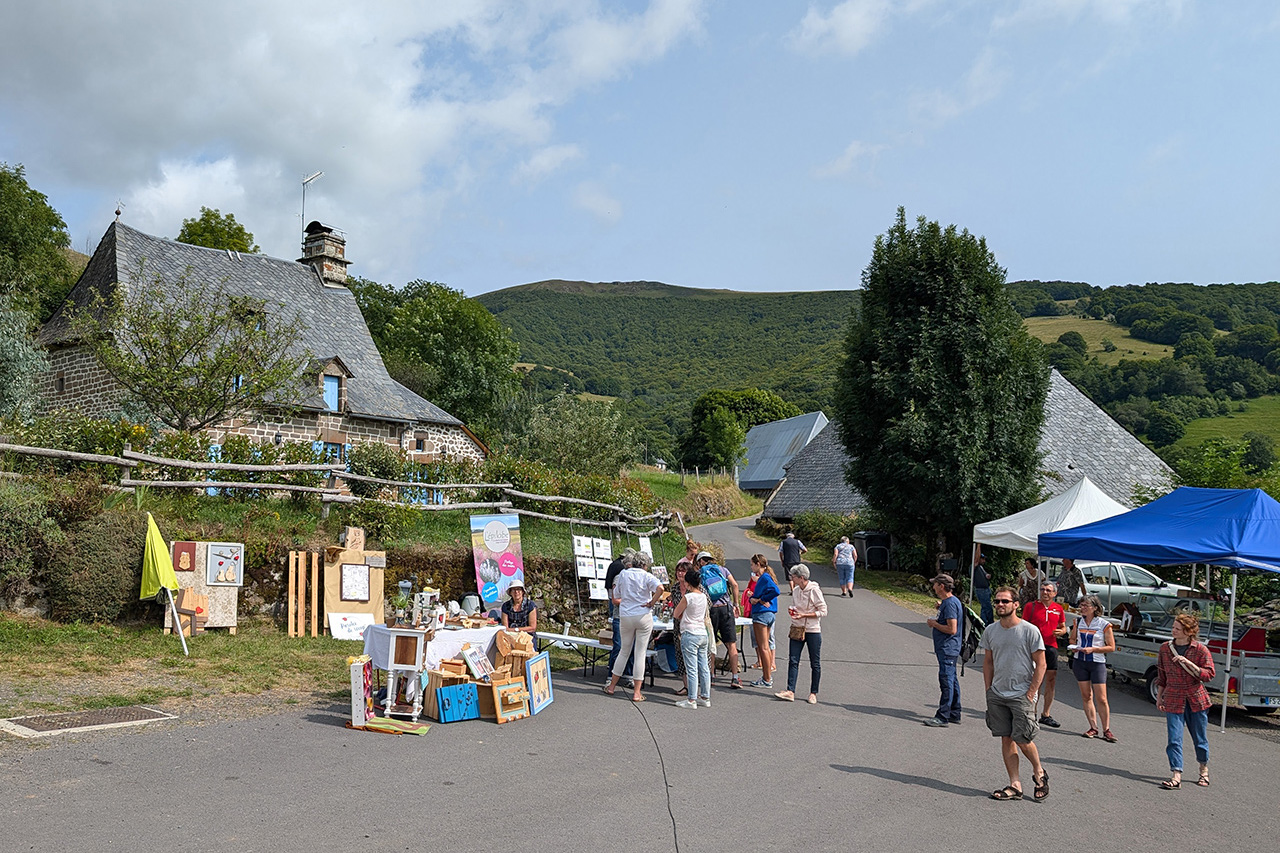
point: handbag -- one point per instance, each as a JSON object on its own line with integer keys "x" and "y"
{"x": 796, "y": 632}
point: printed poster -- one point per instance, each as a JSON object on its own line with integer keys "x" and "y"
{"x": 495, "y": 546}
{"x": 586, "y": 567}
{"x": 603, "y": 549}
{"x": 596, "y": 590}
{"x": 581, "y": 546}
{"x": 645, "y": 546}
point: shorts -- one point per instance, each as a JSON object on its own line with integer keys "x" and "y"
{"x": 845, "y": 570}
{"x": 1094, "y": 673}
{"x": 1050, "y": 659}
{"x": 1012, "y": 718}
{"x": 765, "y": 617}
{"x": 722, "y": 624}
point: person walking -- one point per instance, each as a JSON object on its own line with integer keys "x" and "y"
{"x": 764, "y": 613}
{"x": 1091, "y": 639}
{"x": 845, "y": 559}
{"x": 1183, "y": 665}
{"x": 790, "y": 551}
{"x": 1049, "y": 618}
{"x": 982, "y": 588}
{"x": 634, "y": 594}
{"x": 807, "y": 609}
{"x": 1028, "y": 582}
{"x": 1012, "y": 669}
{"x": 691, "y": 613}
{"x": 946, "y": 648}
{"x": 722, "y": 590}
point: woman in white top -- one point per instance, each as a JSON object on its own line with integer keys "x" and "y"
{"x": 695, "y": 645}
{"x": 1091, "y": 639}
{"x": 634, "y": 594}
{"x": 808, "y": 606}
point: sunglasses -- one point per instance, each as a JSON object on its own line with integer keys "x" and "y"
{"x": 1002, "y": 601}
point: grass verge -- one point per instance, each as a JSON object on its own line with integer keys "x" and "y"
{"x": 894, "y": 587}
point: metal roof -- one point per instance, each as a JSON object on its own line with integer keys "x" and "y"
{"x": 770, "y": 447}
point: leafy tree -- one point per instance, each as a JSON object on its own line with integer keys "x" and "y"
{"x": 1216, "y": 464}
{"x": 1164, "y": 427}
{"x": 451, "y": 350}
{"x": 583, "y": 436}
{"x": 941, "y": 398}
{"x": 1259, "y": 453}
{"x": 215, "y": 230}
{"x": 1194, "y": 346}
{"x": 749, "y": 408}
{"x": 21, "y": 363}
{"x": 193, "y": 354}
{"x": 1075, "y": 341}
{"x": 724, "y": 439}
{"x": 35, "y": 271}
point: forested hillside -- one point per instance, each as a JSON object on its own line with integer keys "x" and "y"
{"x": 657, "y": 346}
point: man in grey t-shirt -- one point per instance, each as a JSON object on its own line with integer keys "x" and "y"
{"x": 1012, "y": 668}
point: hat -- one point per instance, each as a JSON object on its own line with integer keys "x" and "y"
{"x": 515, "y": 584}
{"x": 704, "y": 555}
{"x": 946, "y": 580}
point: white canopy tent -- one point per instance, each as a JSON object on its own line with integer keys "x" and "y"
{"x": 1081, "y": 504}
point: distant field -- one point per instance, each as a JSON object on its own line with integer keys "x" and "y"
{"x": 1262, "y": 415}
{"x": 1048, "y": 329}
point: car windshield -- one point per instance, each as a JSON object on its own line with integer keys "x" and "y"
{"x": 1134, "y": 576}
{"x": 1098, "y": 574}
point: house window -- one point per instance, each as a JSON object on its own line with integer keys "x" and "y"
{"x": 60, "y": 383}
{"x": 419, "y": 445}
{"x": 332, "y": 387}
{"x": 334, "y": 452}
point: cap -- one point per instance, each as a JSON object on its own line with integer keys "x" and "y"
{"x": 704, "y": 555}
{"x": 944, "y": 579}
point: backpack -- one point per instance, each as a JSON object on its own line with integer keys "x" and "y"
{"x": 718, "y": 589}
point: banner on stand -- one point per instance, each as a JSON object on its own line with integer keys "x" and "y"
{"x": 495, "y": 545}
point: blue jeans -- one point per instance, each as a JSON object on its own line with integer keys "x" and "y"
{"x": 983, "y": 594}
{"x": 697, "y": 665}
{"x": 949, "y": 684}
{"x": 617, "y": 643}
{"x": 1198, "y": 724}
{"x": 813, "y": 640}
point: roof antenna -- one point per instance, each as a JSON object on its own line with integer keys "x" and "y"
{"x": 306, "y": 181}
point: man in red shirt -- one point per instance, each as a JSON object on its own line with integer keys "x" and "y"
{"x": 1047, "y": 615}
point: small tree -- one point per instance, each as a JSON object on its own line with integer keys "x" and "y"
{"x": 21, "y": 363}
{"x": 34, "y": 268}
{"x": 724, "y": 439}
{"x": 580, "y": 435}
{"x": 215, "y": 230}
{"x": 193, "y": 354}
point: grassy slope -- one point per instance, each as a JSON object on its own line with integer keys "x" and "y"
{"x": 1048, "y": 329}
{"x": 1262, "y": 415}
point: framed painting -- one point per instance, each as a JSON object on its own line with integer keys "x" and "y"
{"x": 224, "y": 564}
{"x": 184, "y": 556}
{"x": 538, "y": 677}
{"x": 355, "y": 582}
{"x": 477, "y": 662}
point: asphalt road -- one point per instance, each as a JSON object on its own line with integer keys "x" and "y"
{"x": 855, "y": 772}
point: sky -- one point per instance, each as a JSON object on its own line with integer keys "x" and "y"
{"x": 756, "y": 145}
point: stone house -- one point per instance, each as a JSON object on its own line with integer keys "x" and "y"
{"x": 348, "y": 397}
{"x": 1078, "y": 440}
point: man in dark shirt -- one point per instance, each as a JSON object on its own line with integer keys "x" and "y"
{"x": 946, "y": 647}
{"x": 615, "y": 569}
{"x": 789, "y": 551}
{"x": 982, "y": 588}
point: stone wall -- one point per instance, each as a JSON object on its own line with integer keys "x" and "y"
{"x": 76, "y": 380}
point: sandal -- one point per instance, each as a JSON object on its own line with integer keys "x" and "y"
{"x": 607, "y": 690}
{"x": 1090, "y": 733}
{"x": 1041, "y": 791}
{"x": 1108, "y": 736}
{"x": 683, "y": 691}
{"x": 1170, "y": 785}
{"x": 1203, "y": 781}
{"x": 1008, "y": 792}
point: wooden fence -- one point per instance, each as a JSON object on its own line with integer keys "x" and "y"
{"x": 330, "y": 493}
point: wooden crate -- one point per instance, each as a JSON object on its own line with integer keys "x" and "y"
{"x": 435, "y": 680}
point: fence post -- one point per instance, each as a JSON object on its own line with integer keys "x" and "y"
{"x": 124, "y": 475}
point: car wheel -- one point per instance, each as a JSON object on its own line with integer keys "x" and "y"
{"x": 1151, "y": 684}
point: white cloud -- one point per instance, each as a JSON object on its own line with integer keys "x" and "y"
{"x": 1121, "y": 13}
{"x": 546, "y": 161}
{"x": 593, "y": 198}
{"x": 847, "y": 28}
{"x": 842, "y": 165}
{"x": 983, "y": 82}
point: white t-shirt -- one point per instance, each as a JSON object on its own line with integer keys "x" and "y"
{"x": 694, "y": 619}
{"x": 635, "y": 589}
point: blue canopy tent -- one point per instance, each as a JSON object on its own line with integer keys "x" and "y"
{"x": 1233, "y": 528}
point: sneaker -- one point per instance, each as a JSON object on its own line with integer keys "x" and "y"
{"x": 706, "y": 703}
{"x": 936, "y": 723}
{"x": 1046, "y": 720}
{"x": 736, "y": 683}
{"x": 629, "y": 683}
{"x": 762, "y": 683}
{"x": 685, "y": 703}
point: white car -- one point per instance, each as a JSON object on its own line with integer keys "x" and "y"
{"x": 1118, "y": 583}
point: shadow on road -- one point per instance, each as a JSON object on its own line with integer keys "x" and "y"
{"x": 908, "y": 779}
{"x": 916, "y": 628}
{"x": 1089, "y": 767}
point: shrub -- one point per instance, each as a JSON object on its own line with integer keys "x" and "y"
{"x": 96, "y": 577}
{"x": 373, "y": 459}
{"x": 819, "y": 528}
{"x": 26, "y": 532}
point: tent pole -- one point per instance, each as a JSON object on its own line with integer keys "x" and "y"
{"x": 1231, "y": 630}
{"x": 973, "y": 569}
{"x": 177, "y": 622}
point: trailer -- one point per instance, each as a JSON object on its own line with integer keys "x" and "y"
{"x": 1255, "y": 673}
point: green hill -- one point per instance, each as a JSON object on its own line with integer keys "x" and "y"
{"x": 657, "y": 346}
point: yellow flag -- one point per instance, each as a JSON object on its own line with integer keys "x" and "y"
{"x": 157, "y": 568}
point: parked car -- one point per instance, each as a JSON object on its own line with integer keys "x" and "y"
{"x": 1121, "y": 583}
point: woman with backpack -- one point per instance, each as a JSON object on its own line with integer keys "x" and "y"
{"x": 807, "y": 609}
{"x": 764, "y": 612}
{"x": 691, "y": 614}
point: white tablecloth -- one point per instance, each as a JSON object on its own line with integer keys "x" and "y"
{"x": 447, "y": 644}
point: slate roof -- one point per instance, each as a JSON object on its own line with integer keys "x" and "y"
{"x": 1078, "y": 440}
{"x": 332, "y": 319}
{"x": 770, "y": 447}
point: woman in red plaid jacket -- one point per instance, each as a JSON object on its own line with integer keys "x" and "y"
{"x": 1182, "y": 668}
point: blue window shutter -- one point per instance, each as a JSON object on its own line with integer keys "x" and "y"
{"x": 331, "y": 386}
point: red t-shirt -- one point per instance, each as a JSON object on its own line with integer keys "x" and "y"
{"x": 1047, "y": 619}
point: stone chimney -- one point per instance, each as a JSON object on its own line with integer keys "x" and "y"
{"x": 326, "y": 250}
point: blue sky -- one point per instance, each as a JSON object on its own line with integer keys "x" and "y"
{"x": 752, "y": 145}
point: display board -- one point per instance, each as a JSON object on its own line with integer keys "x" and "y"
{"x": 223, "y": 599}
{"x": 334, "y": 601}
{"x": 495, "y": 546}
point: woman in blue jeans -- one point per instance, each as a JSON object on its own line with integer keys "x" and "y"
{"x": 695, "y": 643}
{"x": 1183, "y": 665}
{"x": 807, "y": 609}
